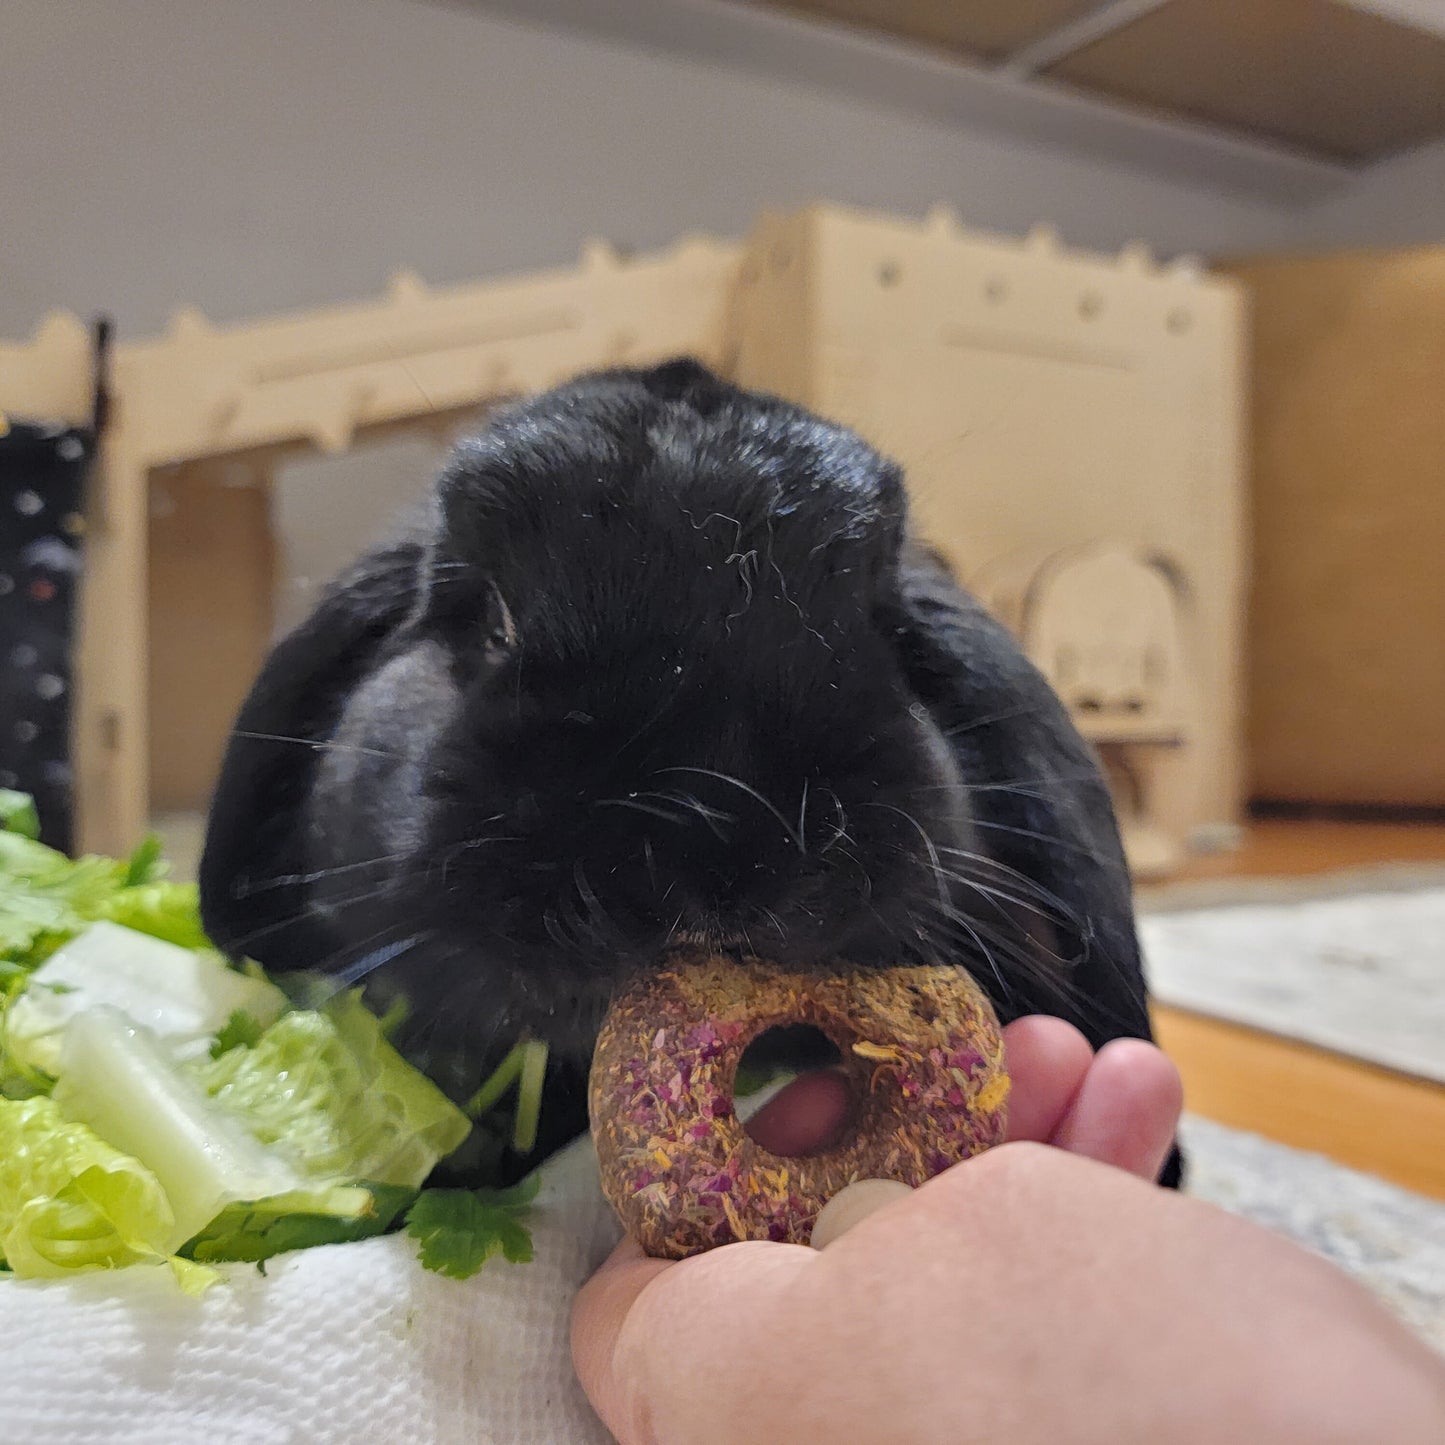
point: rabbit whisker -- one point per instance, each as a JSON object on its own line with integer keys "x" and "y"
{"x": 353, "y": 973}
{"x": 312, "y": 909}
{"x": 245, "y": 889}
{"x": 650, "y": 809}
{"x": 1004, "y": 715}
{"x": 1050, "y": 839}
{"x": 319, "y": 745}
{"x": 752, "y": 792}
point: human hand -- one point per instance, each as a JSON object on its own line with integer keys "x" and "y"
{"x": 1027, "y": 1295}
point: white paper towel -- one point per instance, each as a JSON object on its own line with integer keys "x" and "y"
{"x": 344, "y": 1344}
{"x": 357, "y": 1343}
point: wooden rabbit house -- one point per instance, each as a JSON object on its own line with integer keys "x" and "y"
{"x": 1071, "y": 427}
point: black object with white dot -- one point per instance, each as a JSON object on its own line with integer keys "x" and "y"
{"x": 42, "y": 480}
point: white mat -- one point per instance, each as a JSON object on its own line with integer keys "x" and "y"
{"x": 1389, "y": 1239}
{"x": 1362, "y": 972}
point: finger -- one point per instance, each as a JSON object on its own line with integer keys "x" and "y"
{"x": 1127, "y": 1110}
{"x": 804, "y": 1118}
{"x": 1047, "y": 1060}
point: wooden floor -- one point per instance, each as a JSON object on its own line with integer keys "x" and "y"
{"x": 1369, "y": 1118}
{"x": 1277, "y": 848}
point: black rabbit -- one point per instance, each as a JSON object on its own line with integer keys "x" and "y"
{"x": 660, "y": 660}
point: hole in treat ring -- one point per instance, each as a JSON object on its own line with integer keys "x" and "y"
{"x": 921, "y": 1048}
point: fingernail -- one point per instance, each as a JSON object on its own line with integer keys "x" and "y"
{"x": 852, "y": 1205}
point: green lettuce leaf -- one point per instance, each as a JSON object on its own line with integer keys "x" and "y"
{"x": 182, "y": 995}
{"x": 70, "y": 1201}
{"x": 45, "y": 898}
{"x": 170, "y": 911}
{"x": 351, "y": 1107}
{"x": 145, "y": 865}
{"x": 118, "y": 1080}
{"x": 194, "y": 1120}
{"x": 257, "y": 1232}
{"x": 281, "y": 1127}
{"x": 17, "y": 813}
{"x": 240, "y": 1031}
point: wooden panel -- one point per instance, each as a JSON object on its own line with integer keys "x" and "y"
{"x": 211, "y": 588}
{"x": 1364, "y": 1117}
{"x": 265, "y": 389}
{"x": 1308, "y": 72}
{"x": 980, "y": 28}
{"x": 1347, "y": 623}
{"x": 1040, "y": 400}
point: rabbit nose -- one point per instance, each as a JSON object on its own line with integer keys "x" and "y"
{"x": 692, "y": 897}
{"x": 706, "y": 930}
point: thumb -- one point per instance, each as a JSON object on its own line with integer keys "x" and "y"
{"x": 659, "y": 1346}
{"x": 803, "y": 1117}
{"x": 598, "y": 1315}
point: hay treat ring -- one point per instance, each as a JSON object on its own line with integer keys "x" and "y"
{"x": 921, "y": 1049}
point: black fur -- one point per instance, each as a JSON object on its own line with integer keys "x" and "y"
{"x": 659, "y": 659}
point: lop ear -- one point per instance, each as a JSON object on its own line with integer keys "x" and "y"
{"x": 255, "y": 830}
{"x": 1037, "y": 794}
{"x": 1039, "y": 800}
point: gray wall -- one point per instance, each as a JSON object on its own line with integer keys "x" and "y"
{"x": 249, "y": 156}
{"x": 253, "y": 155}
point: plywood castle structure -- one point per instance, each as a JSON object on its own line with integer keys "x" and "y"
{"x": 1071, "y": 425}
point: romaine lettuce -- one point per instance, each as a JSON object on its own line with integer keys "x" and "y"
{"x": 182, "y": 995}
{"x": 116, "y": 1079}
{"x": 46, "y": 898}
{"x": 351, "y": 1106}
{"x": 192, "y": 1118}
{"x": 70, "y": 1201}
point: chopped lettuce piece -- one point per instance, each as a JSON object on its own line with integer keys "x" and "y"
{"x": 194, "y": 1279}
{"x": 171, "y": 911}
{"x": 183, "y": 996}
{"x": 458, "y": 1230}
{"x": 44, "y": 897}
{"x": 70, "y": 1201}
{"x": 240, "y": 1031}
{"x": 145, "y": 865}
{"x": 351, "y": 1107}
{"x": 117, "y": 1079}
{"x": 17, "y": 813}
